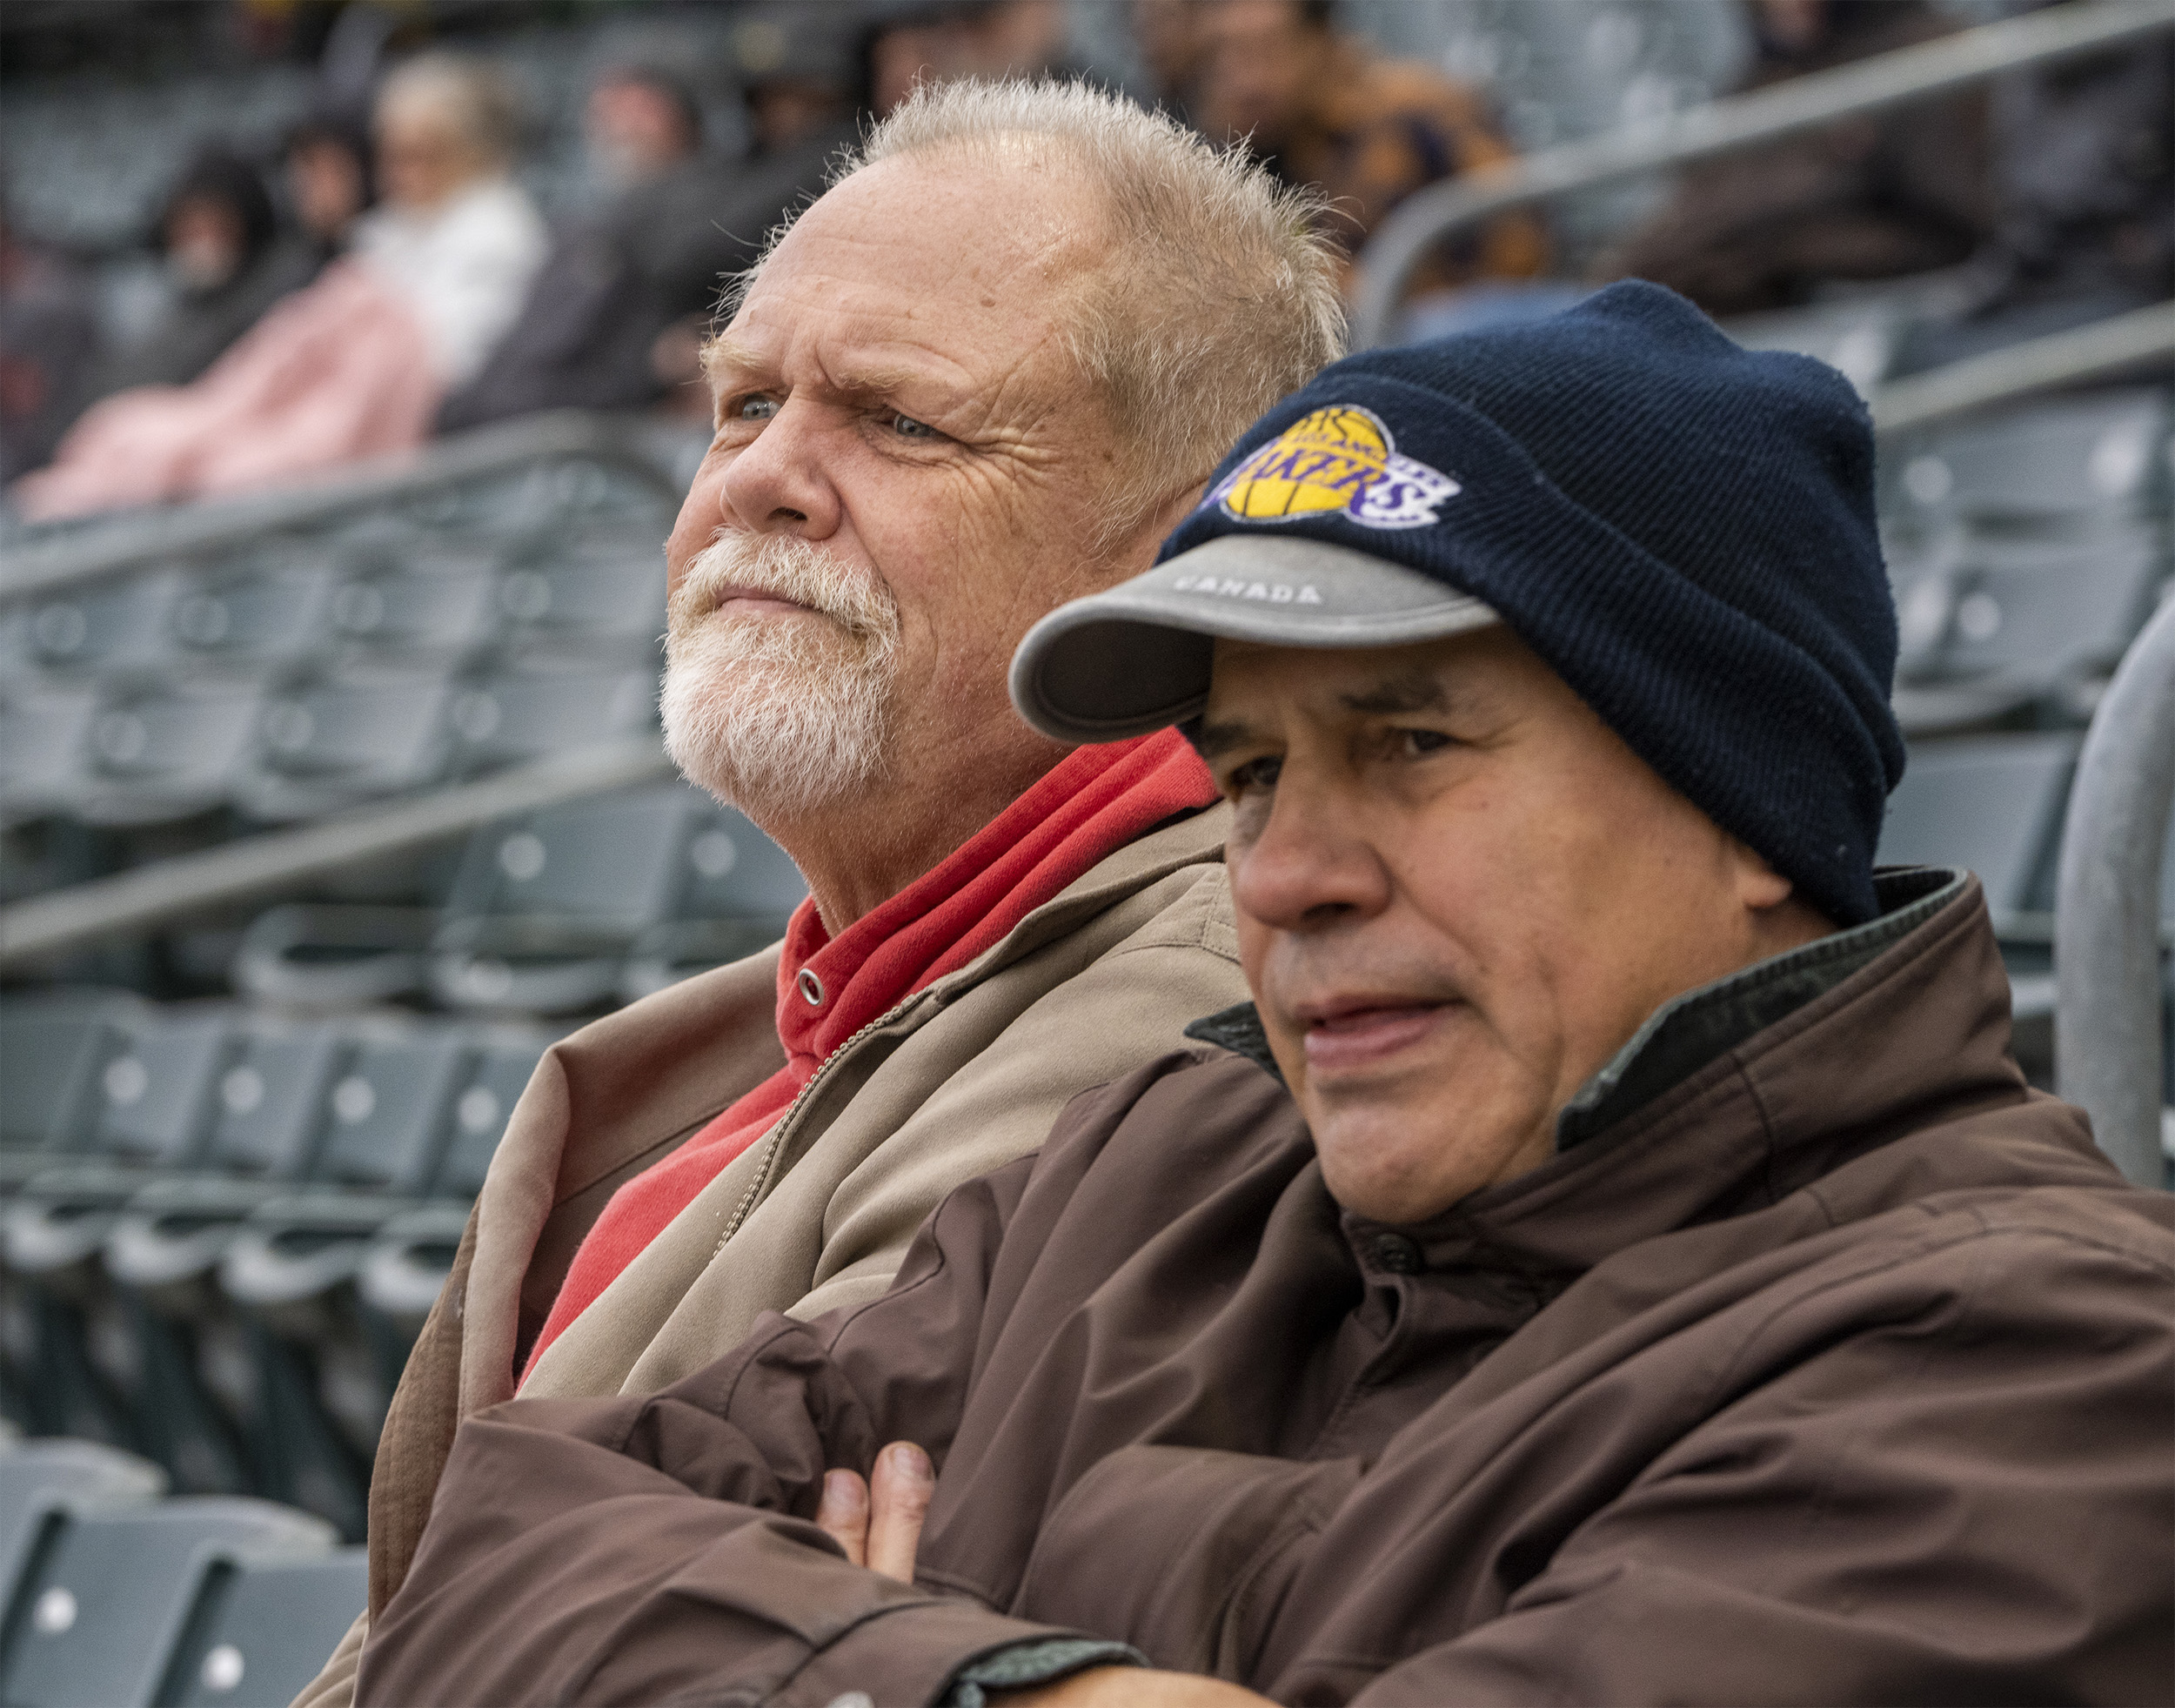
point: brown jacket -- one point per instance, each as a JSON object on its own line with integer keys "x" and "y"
{"x": 957, "y": 1079}
{"x": 1825, "y": 1363}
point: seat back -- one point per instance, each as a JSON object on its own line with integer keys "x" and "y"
{"x": 38, "y": 1479}
{"x": 1990, "y": 803}
{"x": 51, "y": 1051}
{"x": 272, "y": 1099}
{"x": 391, "y": 1108}
{"x": 157, "y": 1094}
{"x": 107, "y": 1595}
{"x": 262, "y": 1628}
{"x": 499, "y": 1074}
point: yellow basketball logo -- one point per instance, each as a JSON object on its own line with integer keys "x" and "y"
{"x": 1338, "y": 459}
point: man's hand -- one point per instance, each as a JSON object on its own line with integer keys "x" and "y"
{"x": 878, "y": 1523}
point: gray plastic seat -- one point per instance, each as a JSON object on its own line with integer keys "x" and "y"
{"x": 53, "y": 1044}
{"x": 322, "y": 956}
{"x": 113, "y": 625}
{"x": 2041, "y": 465}
{"x": 530, "y": 711}
{"x": 338, "y": 739}
{"x": 39, "y": 1479}
{"x": 44, "y": 748}
{"x": 437, "y": 601}
{"x": 96, "y": 1618}
{"x": 262, "y": 1628}
{"x": 546, "y": 908}
{"x": 167, "y": 751}
{"x": 272, "y": 610}
{"x": 1992, "y": 804}
{"x": 601, "y": 588}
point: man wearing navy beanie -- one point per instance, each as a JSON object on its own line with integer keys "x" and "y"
{"x": 1615, "y": 1258}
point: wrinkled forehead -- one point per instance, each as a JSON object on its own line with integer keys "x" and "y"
{"x": 975, "y": 255}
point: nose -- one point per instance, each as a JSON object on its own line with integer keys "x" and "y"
{"x": 779, "y": 484}
{"x": 1308, "y": 864}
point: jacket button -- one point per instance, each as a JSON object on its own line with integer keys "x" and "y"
{"x": 1398, "y": 1255}
{"x": 810, "y": 987}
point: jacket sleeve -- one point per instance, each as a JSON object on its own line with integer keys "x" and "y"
{"x": 1963, "y": 1500}
{"x": 644, "y": 1549}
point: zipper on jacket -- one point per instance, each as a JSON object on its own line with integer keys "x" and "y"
{"x": 776, "y": 1143}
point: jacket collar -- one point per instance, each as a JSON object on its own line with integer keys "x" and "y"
{"x": 1737, "y": 1094}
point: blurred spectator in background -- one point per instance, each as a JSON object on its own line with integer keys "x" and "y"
{"x": 1323, "y": 110}
{"x": 2084, "y": 168}
{"x": 49, "y": 340}
{"x": 226, "y": 263}
{"x": 356, "y": 365}
{"x": 937, "y": 41}
{"x": 329, "y": 181}
{"x": 680, "y": 218}
{"x": 1173, "y": 48}
{"x": 1876, "y": 196}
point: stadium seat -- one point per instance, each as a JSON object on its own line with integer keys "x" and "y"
{"x": 333, "y": 955}
{"x": 53, "y": 1045}
{"x": 167, "y": 751}
{"x": 546, "y": 908}
{"x": 2058, "y": 464}
{"x": 114, "y": 626}
{"x": 44, "y": 747}
{"x": 39, "y": 1479}
{"x": 591, "y": 589}
{"x": 95, "y": 1618}
{"x": 436, "y": 601}
{"x": 1990, "y": 803}
{"x": 273, "y": 610}
{"x": 262, "y": 1628}
{"x": 529, "y": 710}
{"x": 338, "y": 739}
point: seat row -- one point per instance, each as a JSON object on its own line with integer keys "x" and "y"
{"x": 283, "y": 749}
{"x": 115, "y": 1597}
{"x": 220, "y": 1230}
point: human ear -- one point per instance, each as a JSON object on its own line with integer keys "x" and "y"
{"x": 1759, "y": 886}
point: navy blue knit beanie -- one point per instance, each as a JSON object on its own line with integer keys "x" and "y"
{"x": 1681, "y": 528}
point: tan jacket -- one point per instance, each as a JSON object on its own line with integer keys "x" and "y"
{"x": 958, "y": 1080}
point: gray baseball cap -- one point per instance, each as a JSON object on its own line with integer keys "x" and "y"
{"x": 1135, "y": 658}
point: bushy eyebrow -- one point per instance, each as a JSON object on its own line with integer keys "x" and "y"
{"x": 1414, "y": 690}
{"x": 726, "y": 359}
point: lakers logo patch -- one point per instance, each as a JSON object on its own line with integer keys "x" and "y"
{"x": 1340, "y": 460}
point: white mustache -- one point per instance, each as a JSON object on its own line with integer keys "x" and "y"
{"x": 787, "y": 567}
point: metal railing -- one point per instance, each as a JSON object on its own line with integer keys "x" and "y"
{"x": 39, "y": 567}
{"x": 2107, "y": 912}
{"x": 171, "y": 889}
{"x": 1730, "y": 125}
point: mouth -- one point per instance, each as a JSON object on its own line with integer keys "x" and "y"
{"x": 1348, "y": 1033}
{"x": 750, "y": 601}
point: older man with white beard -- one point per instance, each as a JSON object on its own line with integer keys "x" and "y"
{"x": 983, "y": 374}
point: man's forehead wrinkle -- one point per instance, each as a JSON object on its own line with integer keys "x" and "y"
{"x": 1413, "y": 690}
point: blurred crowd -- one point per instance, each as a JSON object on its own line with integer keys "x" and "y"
{"x": 386, "y": 277}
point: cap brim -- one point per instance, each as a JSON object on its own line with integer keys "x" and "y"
{"x": 1136, "y": 657}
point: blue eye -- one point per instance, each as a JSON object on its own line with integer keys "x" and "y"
{"x": 906, "y": 427}
{"x": 757, "y": 409}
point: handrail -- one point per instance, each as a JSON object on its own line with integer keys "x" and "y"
{"x": 40, "y": 567}
{"x": 171, "y": 889}
{"x": 1724, "y": 126}
{"x": 2106, "y": 921}
{"x": 2105, "y": 347}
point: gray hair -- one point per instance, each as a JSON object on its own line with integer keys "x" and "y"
{"x": 1219, "y": 297}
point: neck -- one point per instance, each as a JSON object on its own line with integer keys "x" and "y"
{"x": 858, "y": 855}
